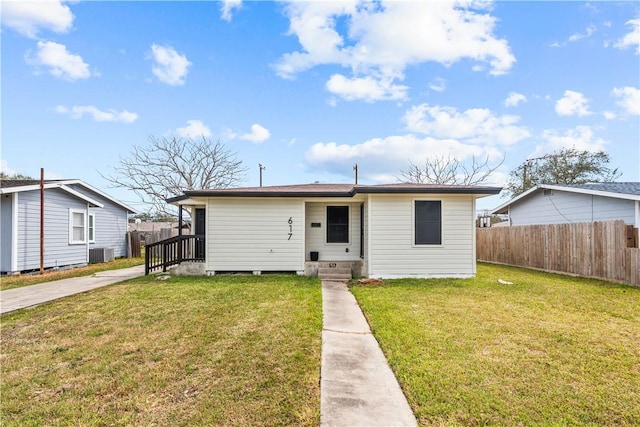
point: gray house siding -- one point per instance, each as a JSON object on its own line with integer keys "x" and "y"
{"x": 557, "y": 207}
{"x": 57, "y": 250}
{"x": 110, "y": 223}
{"x": 6, "y": 220}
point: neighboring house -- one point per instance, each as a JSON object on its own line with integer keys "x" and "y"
{"x": 559, "y": 203}
{"x": 77, "y": 217}
{"x": 383, "y": 231}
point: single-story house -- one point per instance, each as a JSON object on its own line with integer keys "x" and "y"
{"x": 562, "y": 203}
{"x": 381, "y": 231}
{"x": 78, "y": 218}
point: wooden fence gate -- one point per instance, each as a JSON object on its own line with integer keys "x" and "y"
{"x": 604, "y": 250}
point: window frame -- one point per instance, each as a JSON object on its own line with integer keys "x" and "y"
{"x": 91, "y": 228}
{"x": 415, "y": 225}
{"x": 72, "y": 226}
{"x": 348, "y": 224}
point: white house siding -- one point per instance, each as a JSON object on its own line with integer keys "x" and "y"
{"x": 565, "y": 207}
{"x": 57, "y": 250}
{"x": 6, "y": 239}
{"x": 110, "y": 224}
{"x": 392, "y": 252}
{"x": 253, "y": 234}
{"x": 316, "y": 238}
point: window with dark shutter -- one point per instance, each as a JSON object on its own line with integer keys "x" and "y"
{"x": 428, "y": 222}
{"x": 337, "y": 224}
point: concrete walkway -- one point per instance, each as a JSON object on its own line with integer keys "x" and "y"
{"x": 357, "y": 387}
{"x": 27, "y": 296}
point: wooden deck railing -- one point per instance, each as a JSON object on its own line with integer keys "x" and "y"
{"x": 173, "y": 251}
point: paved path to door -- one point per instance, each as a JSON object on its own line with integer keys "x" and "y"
{"x": 27, "y": 296}
{"x": 357, "y": 387}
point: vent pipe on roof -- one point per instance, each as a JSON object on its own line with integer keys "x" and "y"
{"x": 261, "y": 169}
{"x": 355, "y": 168}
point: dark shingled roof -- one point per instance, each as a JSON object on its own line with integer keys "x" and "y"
{"x": 335, "y": 190}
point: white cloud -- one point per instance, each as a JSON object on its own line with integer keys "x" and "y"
{"x": 579, "y": 36}
{"x": 632, "y": 38}
{"x": 258, "y": 134}
{"x": 382, "y": 159}
{"x": 572, "y": 104}
{"x": 366, "y": 88}
{"x": 475, "y": 126}
{"x": 514, "y": 98}
{"x": 438, "y": 84}
{"x": 29, "y": 17}
{"x": 226, "y": 10}
{"x": 628, "y": 99}
{"x": 383, "y": 38}
{"x": 580, "y": 138}
{"x": 170, "y": 67}
{"x": 610, "y": 115}
{"x": 194, "y": 129}
{"x": 61, "y": 63}
{"x": 111, "y": 115}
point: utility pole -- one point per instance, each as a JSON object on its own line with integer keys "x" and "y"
{"x": 261, "y": 169}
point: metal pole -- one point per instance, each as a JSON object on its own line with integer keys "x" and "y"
{"x": 261, "y": 169}
{"x": 41, "y": 220}
{"x": 355, "y": 168}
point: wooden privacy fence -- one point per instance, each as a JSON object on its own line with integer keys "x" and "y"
{"x": 605, "y": 250}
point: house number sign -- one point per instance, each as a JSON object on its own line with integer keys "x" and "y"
{"x": 290, "y": 222}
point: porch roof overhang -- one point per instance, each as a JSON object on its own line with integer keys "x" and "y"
{"x": 331, "y": 191}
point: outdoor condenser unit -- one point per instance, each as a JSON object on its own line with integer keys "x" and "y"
{"x": 100, "y": 255}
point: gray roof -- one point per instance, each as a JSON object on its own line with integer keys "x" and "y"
{"x": 609, "y": 187}
{"x": 618, "y": 190}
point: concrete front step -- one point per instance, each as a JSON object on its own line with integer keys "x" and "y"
{"x": 334, "y": 273}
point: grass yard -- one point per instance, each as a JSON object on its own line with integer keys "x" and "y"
{"x": 234, "y": 350}
{"x": 9, "y": 282}
{"x": 546, "y": 350}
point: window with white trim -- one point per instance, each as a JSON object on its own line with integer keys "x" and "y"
{"x": 77, "y": 226}
{"x": 92, "y": 228}
{"x": 428, "y": 222}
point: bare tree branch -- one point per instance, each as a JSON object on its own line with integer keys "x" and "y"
{"x": 168, "y": 166}
{"x": 449, "y": 170}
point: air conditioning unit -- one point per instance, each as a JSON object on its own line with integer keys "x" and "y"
{"x": 100, "y": 255}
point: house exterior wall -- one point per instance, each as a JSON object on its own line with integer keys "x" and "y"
{"x": 110, "y": 223}
{"x": 6, "y": 236}
{"x": 391, "y": 249}
{"x": 57, "y": 250}
{"x": 253, "y": 234}
{"x": 564, "y": 207}
{"x": 316, "y": 238}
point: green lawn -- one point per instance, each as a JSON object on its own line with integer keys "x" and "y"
{"x": 9, "y": 282}
{"x": 546, "y": 350}
{"x": 237, "y": 351}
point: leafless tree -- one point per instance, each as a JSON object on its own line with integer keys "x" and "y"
{"x": 449, "y": 170}
{"x": 168, "y": 166}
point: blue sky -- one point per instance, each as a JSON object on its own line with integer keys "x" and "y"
{"x": 311, "y": 88}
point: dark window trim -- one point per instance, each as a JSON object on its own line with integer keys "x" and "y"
{"x": 419, "y": 223}
{"x": 331, "y": 226}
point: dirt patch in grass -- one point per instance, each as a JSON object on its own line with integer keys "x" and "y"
{"x": 186, "y": 351}
{"x": 544, "y": 350}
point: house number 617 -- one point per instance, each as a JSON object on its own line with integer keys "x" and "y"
{"x": 290, "y": 222}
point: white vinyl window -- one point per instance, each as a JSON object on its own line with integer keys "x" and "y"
{"x": 92, "y": 228}
{"x": 77, "y": 226}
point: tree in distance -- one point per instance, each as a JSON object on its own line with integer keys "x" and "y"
{"x": 168, "y": 166}
{"x": 566, "y": 166}
{"x": 449, "y": 170}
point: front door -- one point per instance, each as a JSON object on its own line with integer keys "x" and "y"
{"x": 199, "y": 229}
